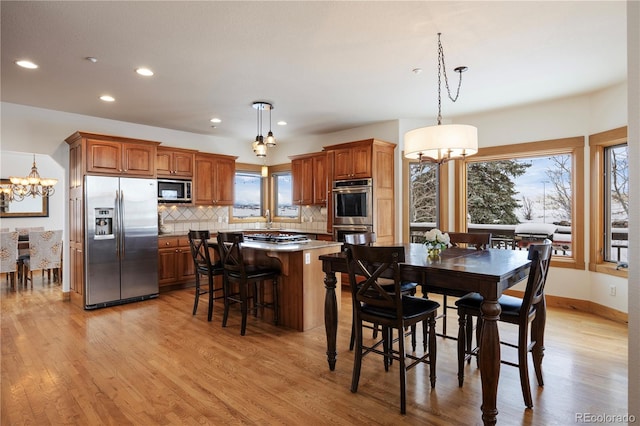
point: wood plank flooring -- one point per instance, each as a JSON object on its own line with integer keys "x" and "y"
{"x": 153, "y": 363}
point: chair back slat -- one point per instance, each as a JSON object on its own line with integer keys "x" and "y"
{"x": 200, "y": 250}
{"x": 374, "y": 263}
{"x": 540, "y": 256}
{"x": 230, "y": 249}
{"x": 479, "y": 240}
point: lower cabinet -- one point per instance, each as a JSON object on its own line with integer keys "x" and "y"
{"x": 175, "y": 264}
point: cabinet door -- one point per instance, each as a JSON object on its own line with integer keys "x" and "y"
{"x": 138, "y": 160}
{"x": 185, "y": 267}
{"x": 342, "y": 164}
{"x": 361, "y": 162}
{"x": 296, "y": 182}
{"x": 182, "y": 164}
{"x": 225, "y": 176}
{"x": 167, "y": 266}
{"x": 307, "y": 181}
{"x": 320, "y": 179}
{"x": 104, "y": 157}
{"x": 164, "y": 163}
{"x": 203, "y": 181}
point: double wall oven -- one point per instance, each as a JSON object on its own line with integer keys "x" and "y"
{"x": 352, "y": 207}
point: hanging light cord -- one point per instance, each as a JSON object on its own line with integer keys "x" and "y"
{"x": 443, "y": 70}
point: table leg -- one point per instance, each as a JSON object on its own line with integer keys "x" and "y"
{"x": 331, "y": 317}
{"x": 489, "y": 357}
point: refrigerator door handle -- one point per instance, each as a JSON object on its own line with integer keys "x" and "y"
{"x": 122, "y": 247}
{"x": 117, "y": 225}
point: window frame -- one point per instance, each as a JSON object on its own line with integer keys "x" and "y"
{"x": 443, "y": 212}
{"x": 277, "y": 169}
{"x": 250, "y": 168}
{"x": 573, "y": 146}
{"x": 598, "y": 143}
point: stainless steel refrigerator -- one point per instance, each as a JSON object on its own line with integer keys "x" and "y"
{"x": 121, "y": 240}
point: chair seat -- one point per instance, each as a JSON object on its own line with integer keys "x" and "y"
{"x": 510, "y": 305}
{"x": 411, "y": 308}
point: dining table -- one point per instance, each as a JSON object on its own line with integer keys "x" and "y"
{"x": 488, "y": 272}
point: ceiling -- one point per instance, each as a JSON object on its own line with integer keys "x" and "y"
{"x": 326, "y": 66}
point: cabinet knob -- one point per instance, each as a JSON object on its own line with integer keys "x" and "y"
{"x": 167, "y": 243}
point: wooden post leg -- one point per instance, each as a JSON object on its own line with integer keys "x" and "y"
{"x": 489, "y": 357}
{"x": 537, "y": 334}
{"x": 331, "y": 317}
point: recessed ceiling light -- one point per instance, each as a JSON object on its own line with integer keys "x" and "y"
{"x": 91, "y": 59}
{"x": 107, "y": 98}
{"x": 216, "y": 120}
{"x": 144, "y": 71}
{"x": 281, "y": 123}
{"x": 417, "y": 71}
{"x": 26, "y": 64}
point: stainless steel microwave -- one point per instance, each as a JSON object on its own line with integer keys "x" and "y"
{"x": 174, "y": 191}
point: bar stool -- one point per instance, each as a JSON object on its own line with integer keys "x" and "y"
{"x": 236, "y": 271}
{"x": 203, "y": 266}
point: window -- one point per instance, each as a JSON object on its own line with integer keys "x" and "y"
{"x": 525, "y": 193}
{"x": 609, "y": 201}
{"x": 249, "y": 195}
{"x": 422, "y": 199}
{"x": 283, "y": 206}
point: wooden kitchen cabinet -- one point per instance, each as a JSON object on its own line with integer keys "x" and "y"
{"x": 353, "y": 162}
{"x": 120, "y": 158}
{"x": 175, "y": 162}
{"x": 309, "y": 174}
{"x": 213, "y": 180}
{"x": 175, "y": 264}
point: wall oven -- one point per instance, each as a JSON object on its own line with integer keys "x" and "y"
{"x": 353, "y": 202}
{"x": 339, "y": 231}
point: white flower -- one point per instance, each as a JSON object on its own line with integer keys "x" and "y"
{"x": 435, "y": 238}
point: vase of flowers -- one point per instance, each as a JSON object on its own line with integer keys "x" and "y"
{"x": 435, "y": 242}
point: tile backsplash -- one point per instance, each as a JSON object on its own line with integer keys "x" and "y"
{"x": 182, "y": 218}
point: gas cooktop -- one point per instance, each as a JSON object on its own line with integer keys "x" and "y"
{"x": 277, "y": 238}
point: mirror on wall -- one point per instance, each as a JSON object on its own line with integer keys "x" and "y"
{"x": 29, "y": 207}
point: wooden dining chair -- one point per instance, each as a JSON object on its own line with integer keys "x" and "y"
{"x": 9, "y": 255}
{"x": 45, "y": 254}
{"x": 247, "y": 277}
{"x": 515, "y": 310}
{"x": 391, "y": 310}
{"x": 409, "y": 288}
{"x": 477, "y": 241}
{"x": 198, "y": 243}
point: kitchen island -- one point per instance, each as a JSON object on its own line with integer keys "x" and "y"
{"x": 301, "y": 294}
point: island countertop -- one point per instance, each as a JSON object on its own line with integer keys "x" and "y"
{"x": 291, "y": 247}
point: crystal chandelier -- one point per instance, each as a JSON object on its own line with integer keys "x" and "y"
{"x": 31, "y": 186}
{"x": 260, "y": 145}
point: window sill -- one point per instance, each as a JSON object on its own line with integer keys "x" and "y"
{"x": 609, "y": 269}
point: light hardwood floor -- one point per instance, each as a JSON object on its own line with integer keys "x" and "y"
{"x": 154, "y": 363}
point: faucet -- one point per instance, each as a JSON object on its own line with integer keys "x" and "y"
{"x": 267, "y": 215}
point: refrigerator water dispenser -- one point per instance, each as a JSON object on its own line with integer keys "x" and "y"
{"x": 104, "y": 223}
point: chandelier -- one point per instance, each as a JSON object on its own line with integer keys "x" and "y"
{"x": 30, "y": 186}
{"x": 260, "y": 145}
{"x": 443, "y": 142}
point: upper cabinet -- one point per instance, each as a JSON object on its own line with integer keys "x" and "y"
{"x": 352, "y": 162}
{"x": 213, "y": 180}
{"x": 111, "y": 155}
{"x": 175, "y": 162}
{"x": 309, "y": 174}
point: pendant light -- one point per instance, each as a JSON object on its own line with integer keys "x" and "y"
{"x": 442, "y": 142}
{"x": 259, "y": 145}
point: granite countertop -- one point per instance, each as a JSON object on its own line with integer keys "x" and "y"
{"x": 310, "y": 245}
{"x": 249, "y": 231}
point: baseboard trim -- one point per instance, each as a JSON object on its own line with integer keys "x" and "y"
{"x": 580, "y": 305}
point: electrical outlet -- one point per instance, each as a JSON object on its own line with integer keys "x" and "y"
{"x": 307, "y": 258}
{"x": 612, "y": 290}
